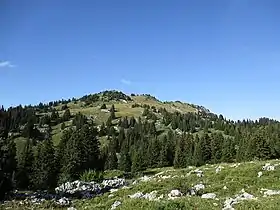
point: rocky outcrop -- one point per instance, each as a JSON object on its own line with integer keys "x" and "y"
{"x": 174, "y": 194}
{"x": 228, "y": 204}
{"x": 88, "y": 189}
{"x": 115, "y": 205}
{"x": 209, "y": 196}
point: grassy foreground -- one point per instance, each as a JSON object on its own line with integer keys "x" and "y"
{"x": 234, "y": 176}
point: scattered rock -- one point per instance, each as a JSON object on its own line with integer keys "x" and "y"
{"x": 113, "y": 183}
{"x": 145, "y": 179}
{"x": 113, "y": 190}
{"x": 174, "y": 194}
{"x": 198, "y": 172}
{"x": 225, "y": 187}
{"x": 219, "y": 168}
{"x": 199, "y": 187}
{"x": 260, "y": 174}
{"x": 110, "y": 196}
{"x": 63, "y": 202}
{"x": 268, "y": 167}
{"x": 271, "y": 192}
{"x": 150, "y": 196}
{"x": 71, "y": 208}
{"x": 115, "y": 205}
{"x": 134, "y": 182}
{"x": 235, "y": 165}
{"x": 136, "y": 195}
{"x": 209, "y": 196}
{"x": 89, "y": 189}
{"x": 232, "y": 201}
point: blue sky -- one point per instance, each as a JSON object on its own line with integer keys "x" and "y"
{"x": 224, "y": 55}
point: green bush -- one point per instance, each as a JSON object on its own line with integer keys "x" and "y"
{"x": 92, "y": 175}
{"x": 109, "y": 174}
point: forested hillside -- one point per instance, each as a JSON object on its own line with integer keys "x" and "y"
{"x": 48, "y": 144}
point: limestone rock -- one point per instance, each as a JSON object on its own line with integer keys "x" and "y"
{"x": 209, "y": 196}
{"x": 115, "y": 205}
{"x": 174, "y": 194}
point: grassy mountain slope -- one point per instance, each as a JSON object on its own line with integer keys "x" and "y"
{"x": 124, "y": 108}
{"x": 234, "y": 176}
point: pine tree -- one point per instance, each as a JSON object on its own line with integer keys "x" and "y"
{"x": 66, "y": 115}
{"x": 154, "y": 149}
{"x": 163, "y": 159}
{"x": 121, "y": 138}
{"x": 180, "y": 155}
{"x": 206, "y": 148}
{"x": 125, "y": 159}
{"x": 241, "y": 147}
{"x": 24, "y": 167}
{"x": 262, "y": 146}
{"x": 137, "y": 160}
{"x": 132, "y": 122}
{"x": 102, "y": 131}
{"x": 62, "y": 127}
{"x": 103, "y": 106}
{"x": 81, "y": 153}
{"x": 112, "y": 112}
{"x": 217, "y": 141}
{"x": 7, "y": 165}
{"x": 124, "y": 123}
{"x": 189, "y": 151}
{"x": 45, "y": 172}
{"x": 112, "y": 160}
{"x": 198, "y": 155}
{"x": 227, "y": 150}
{"x": 109, "y": 121}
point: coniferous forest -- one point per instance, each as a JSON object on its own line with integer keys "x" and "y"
{"x": 156, "y": 138}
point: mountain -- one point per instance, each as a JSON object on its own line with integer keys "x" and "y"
{"x": 45, "y": 145}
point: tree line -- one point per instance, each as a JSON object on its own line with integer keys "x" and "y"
{"x": 132, "y": 145}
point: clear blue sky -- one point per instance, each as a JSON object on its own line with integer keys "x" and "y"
{"x": 224, "y": 55}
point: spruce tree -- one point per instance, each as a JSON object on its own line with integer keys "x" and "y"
{"x": 7, "y": 165}
{"x": 44, "y": 175}
{"x": 154, "y": 149}
{"x": 24, "y": 166}
{"x": 112, "y": 112}
{"x": 163, "y": 159}
{"x": 206, "y": 148}
{"x": 102, "y": 130}
{"x": 180, "y": 153}
{"x": 62, "y": 127}
{"x": 217, "y": 141}
{"x": 227, "y": 150}
{"x": 66, "y": 115}
{"x": 112, "y": 160}
{"x": 198, "y": 154}
{"x": 262, "y": 145}
{"x": 125, "y": 159}
{"x": 189, "y": 151}
{"x": 137, "y": 160}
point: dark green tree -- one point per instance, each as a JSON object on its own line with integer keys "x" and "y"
{"x": 112, "y": 160}
{"x": 125, "y": 159}
{"x": 198, "y": 154}
{"x": 62, "y": 127}
{"x": 103, "y": 106}
{"x": 112, "y": 112}
{"x": 44, "y": 176}
{"x": 7, "y": 166}
{"x": 66, "y": 115}
{"x": 25, "y": 161}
